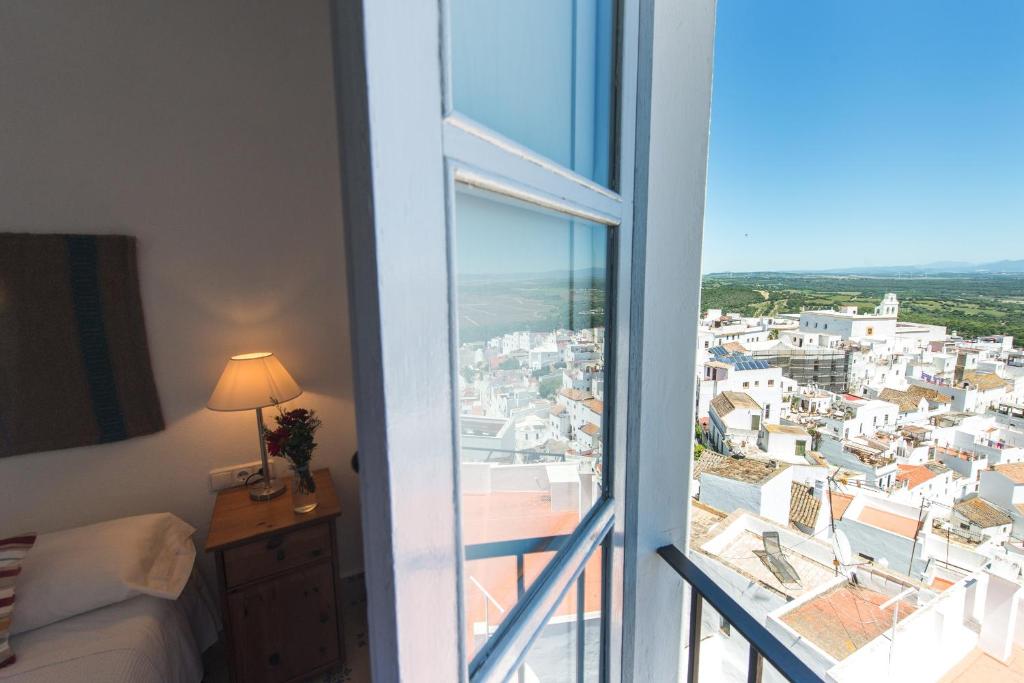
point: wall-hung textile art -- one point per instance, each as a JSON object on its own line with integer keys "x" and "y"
{"x": 74, "y": 361}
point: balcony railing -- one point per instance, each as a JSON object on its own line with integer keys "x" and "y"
{"x": 763, "y": 645}
{"x": 519, "y": 456}
{"x": 520, "y": 548}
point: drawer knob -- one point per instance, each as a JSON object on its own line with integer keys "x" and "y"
{"x": 317, "y": 552}
{"x": 275, "y": 542}
{"x": 323, "y": 617}
{"x": 274, "y": 659}
{"x": 280, "y": 555}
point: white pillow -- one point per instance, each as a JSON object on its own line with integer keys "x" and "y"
{"x": 76, "y": 570}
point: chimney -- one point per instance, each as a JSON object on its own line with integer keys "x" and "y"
{"x": 819, "y": 489}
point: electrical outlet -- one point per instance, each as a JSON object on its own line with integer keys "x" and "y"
{"x": 233, "y": 475}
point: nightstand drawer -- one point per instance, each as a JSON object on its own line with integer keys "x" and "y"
{"x": 276, "y": 553}
{"x": 289, "y": 625}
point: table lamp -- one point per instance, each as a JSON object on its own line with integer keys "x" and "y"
{"x": 255, "y": 381}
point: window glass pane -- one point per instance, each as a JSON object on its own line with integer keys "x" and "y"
{"x": 571, "y": 640}
{"x": 531, "y": 357}
{"x": 540, "y": 73}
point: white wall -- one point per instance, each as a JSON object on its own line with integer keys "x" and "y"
{"x": 997, "y": 488}
{"x": 207, "y": 130}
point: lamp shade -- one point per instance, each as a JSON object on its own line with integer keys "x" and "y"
{"x": 253, "y": 380}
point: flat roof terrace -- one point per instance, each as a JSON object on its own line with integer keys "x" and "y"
{"x": 740, "y": 556}
{"x": 883, "y": 519}
{"x": 844, "y": 618}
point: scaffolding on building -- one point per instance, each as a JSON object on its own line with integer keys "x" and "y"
{"x": 825, "y": 368}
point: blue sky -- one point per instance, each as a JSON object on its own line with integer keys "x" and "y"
{"x": 860, "y": 132}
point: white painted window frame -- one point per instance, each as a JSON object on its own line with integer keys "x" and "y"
{"x": 402, "y": 151}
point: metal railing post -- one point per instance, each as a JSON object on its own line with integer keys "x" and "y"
{"x": 761, "y": 640}
{"x": 755, "y": 664}
{"x": 693, "y": 660}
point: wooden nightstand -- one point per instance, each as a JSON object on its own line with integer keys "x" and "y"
{"x": 278, "y": 574}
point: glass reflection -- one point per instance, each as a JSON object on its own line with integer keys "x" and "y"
{"x": 539, "y": 72}
{"x": 531, "y": 360}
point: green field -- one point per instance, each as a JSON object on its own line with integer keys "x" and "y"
{"x": 489, "y": 309}
{"x": 973, "y": 305}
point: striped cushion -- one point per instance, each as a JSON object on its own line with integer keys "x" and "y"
{"x": 12, "y": 552}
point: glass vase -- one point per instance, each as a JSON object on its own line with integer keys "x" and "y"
{"x": 303, "y": 489}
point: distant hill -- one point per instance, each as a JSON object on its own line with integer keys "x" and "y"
{"x": 1006, "y": 267}
{"x": 933, "y": 268}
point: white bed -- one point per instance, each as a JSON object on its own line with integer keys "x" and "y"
{"x": 144, "y": 639}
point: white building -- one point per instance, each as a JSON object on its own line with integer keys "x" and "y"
{"x": 873, "y": 459}
{"x": 486, "y": 438}
{"x": 786, "y": 443}
{"x": 854, "y": 416}
{"x": 847, "y": 323}
{"x": 1003, "y": 485}
{"x": 729, "y": 484}
{"x": 737, "y": 371}
{"x": 735, "y": 417}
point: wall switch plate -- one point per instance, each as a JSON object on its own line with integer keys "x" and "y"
{"x": 233, "y": 475}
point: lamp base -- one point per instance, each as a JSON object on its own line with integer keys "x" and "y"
{"x": 266, "y": 490}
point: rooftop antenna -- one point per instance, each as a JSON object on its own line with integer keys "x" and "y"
{"x": 842, "y": 550}
{"x": 895, "y": 602}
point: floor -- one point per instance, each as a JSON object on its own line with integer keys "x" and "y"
{"x": 357, "y": 655}
{"x": 983, "y": 668}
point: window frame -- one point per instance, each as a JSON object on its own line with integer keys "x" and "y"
{"x": 394, "y": 131}
{"x": 478, "y": 157}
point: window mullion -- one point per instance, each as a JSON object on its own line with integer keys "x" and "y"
{"x": 474, "y": 146}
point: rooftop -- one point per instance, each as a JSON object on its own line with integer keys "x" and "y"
{"x": 575, "y": 394}
{"x": 915, "y": 475}
{"x": 840, "y": 501}
{"x": 595, "y": 405}
{"x": 796, "y": 430}
{"x": 740, "y": 361}
{"x": 703, "y": 519}
{"x": 803, "y": 506}
{"x": 889, "y": 521}
{"x": 482, "y": 426}
{"x": 843, "y": 619}
{"x": 590, "y": 429}
{"x": 929, "y": 394}
{"x": 738, "y": 469}
{"x": 728, "y": 401}
{"x": 978, "y": 667}
{"x": 904, "y": 399}
{"x": 982, "y": 513}
{"x": 740, "y": 556}
{"x": 1013, "y": 471}
{"x": 985, "y": 381}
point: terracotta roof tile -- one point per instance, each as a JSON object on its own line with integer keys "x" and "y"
{"x": 728, "y": 401}
{"x": 575, "y": 394}
{"x": 803, "y": 506}
{"x": 904, "y": 399}
{"x": 1013, "y": 471}
{"x": 982, "y": 513}
{"x": 738, "y": 469}
{"x": 840, "y": 501}
{"x": 914, "y": 475}
{"x": 985, "y": 381}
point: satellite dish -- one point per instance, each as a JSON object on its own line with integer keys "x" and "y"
{"x": 841, "y": 548}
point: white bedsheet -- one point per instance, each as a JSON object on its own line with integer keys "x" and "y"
{"x": 141, "y": 640}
